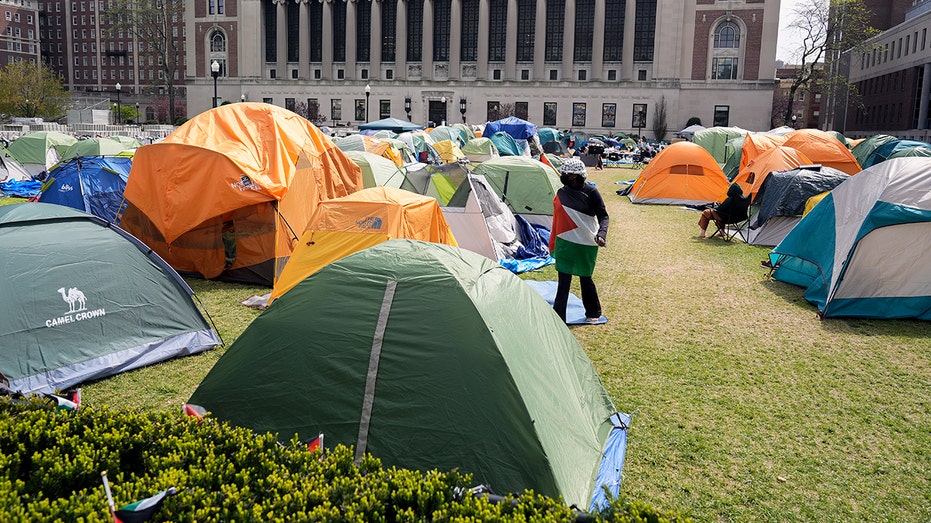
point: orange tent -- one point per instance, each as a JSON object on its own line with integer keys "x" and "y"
{"x": 342, "y": 226}
{"x": 756, "y": 144}
{"x": 227, "y": 193}
{"x": 824, "y": 149}
{"x": 779, "y": 158}
{"x": 683, "y": 173}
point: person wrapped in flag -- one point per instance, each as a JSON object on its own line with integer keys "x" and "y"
{"x": 580, "y": 227}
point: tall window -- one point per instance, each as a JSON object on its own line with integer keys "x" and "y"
{"x": 339, "y": 31}
{"x": 271, "y": 31}
{"x": 363, "y": 30}
{"x": 526, "y": 16}
{"x": 469, "y": 52}
{"x": 497, "y": 30}
{"x": 217, "y": 42}
{"x": 723, "y": 68}
{"x": 644, "y": 30}
{"x": 441, "y": 11}
{"x": 316, "y": 32}
{"x": 725, "y": 51}
{"x": 294, "y": 31}
{"x": 389, "y": 17}
{"x": 414, "y": 30}
{"x": 614, "y": 30}
{"x": 584, "y": 27}
{"x": 555, "y": 18}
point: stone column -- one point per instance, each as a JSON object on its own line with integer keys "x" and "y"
{"x": 539, "y": 42}
{"x": 923, "y": 102}
{"x": 627, "y": 59}
{"x": 455, "y": 39}
{"x": 426, "y": 56}
{"x": 350, "y": 32}
{"x": 400, "y": 47}
{"x": 303, "y": 40}
{"x": 281, "y": 39}
{"x": 510, "y": 49}
{"x": 327, "y": 39}
{"x": 568, "y": 41}
{"x": 375, "y": 42}
{"x": 484, "y": 10}
{"x": 598, "y": 42}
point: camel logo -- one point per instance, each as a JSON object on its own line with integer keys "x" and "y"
{"x": 75, "y": 298}
{"x": 370, "y": 222}
{"x": 77, "y": 308}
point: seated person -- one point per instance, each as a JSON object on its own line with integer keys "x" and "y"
{"x": 732, "y": 210}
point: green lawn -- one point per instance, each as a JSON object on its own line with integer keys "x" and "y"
{"x": 746, "y": 406}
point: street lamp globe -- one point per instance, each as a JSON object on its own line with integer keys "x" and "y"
{"x": 368, "y": 92}
{"x": 119, "y": 107}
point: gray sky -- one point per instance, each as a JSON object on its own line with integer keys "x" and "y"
{"x": 784, "y": 47}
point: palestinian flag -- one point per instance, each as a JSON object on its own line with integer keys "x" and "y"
{"x": 143, "y": 510}
{"x": 315, "y": 443}
{"x": 70, "y": 401}
{"x": 572, "y": 240}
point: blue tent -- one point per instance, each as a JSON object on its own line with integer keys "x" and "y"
{"x": 505, "y": 143}
{"x": 512, "y": 125}
{"x": 884, "y": 151}
{"x": 92, "y": 184}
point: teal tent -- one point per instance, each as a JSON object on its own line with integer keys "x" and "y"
{"x": 427, "y": 356}
{"x": 390, "y": 124}
{"x": 864, "y": 149}
{"x": 505, "y": 144}
{"x": 526, "y": 185}
{"x": 83, "y": 300}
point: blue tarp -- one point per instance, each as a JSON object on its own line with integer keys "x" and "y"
{"x": 22, "y": 189}
{"x": 513, "y": 126}
{"x": 534, "y": 253}
{"x": 92, "y": 184}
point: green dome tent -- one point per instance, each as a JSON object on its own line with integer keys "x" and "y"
{"x": 864, "y": 149}
{"x": 526, "y": 185}
{"x": 714, "y": 140}
{"x": 427, "y": 357}
{"x": 118, "y": 306}
{"x": 377, "y": 170}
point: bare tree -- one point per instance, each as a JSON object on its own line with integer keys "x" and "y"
{"x": 660, "y": 127}
{"x": 825, "y": 29}
{"x": 156, "y": 26}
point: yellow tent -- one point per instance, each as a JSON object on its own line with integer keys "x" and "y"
{"x": 342, "y": 226}
{"x": 449, "y": 152}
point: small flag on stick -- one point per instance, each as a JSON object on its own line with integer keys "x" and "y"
{"x": 70, "y": 401}
{"x": 138, "y": 512}
{"x": 315, "y": 443}
{"x": 194, "y": 411}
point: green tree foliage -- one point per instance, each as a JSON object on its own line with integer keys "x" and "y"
{"x": 824, "y": 29}
{"x": 32, "y": 89}
{"x": 156, "y": 25}
{"x": 51, "y": 464}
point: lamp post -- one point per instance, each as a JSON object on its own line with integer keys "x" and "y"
{"x": 119, "y": 118}
{"x": 462, "y": 108}
{"x": 443, "y": 101}
{"x": 641, "y": 119}
{"x": 407, "y": 107}
{"x": 242, "y": 98}
{"x": 368, "y": 92}
{"x": 137, "y": 113}
{"x": 215, "y": 73}
{"x": 794, "y": 118}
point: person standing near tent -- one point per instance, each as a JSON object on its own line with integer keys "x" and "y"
{"x": 580, "y": 227}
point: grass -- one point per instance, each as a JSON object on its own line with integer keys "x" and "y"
{"x": 746, "y": 406}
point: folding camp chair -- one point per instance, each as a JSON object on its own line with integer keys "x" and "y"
{"x": 738, "y": 221}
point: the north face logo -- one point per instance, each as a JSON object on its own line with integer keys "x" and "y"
{"x": 370, "y": 222}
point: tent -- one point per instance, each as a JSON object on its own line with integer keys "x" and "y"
{"x": 513, "y": 126}
{"x": 840, "y": 138}
{"x": 781, "y": 201}
{"x": 861, "y": 251}
{"x": 525, "y": 185}
{"x": 505, "y": 143}
{"x": 226, "y": 194}
{"x": 391, "y": 124}
{"x": 890, "y": 148}
{"x": 683, "y": 173}
{"x": 445, "y": 132}
{"x": 127, "y": 141}
{"x": 12, "y": 170}
{"x": 39, "y": 151}
{"x": 557, "y": 148}
{"x": 714, "y": 140}
{"x": 923, "y": 152}
{"x": 448, "y": 151}
{"x": 371, "y": 144}
{"x": 820, "y": 147}
{"x": 342, "y": 226}
{"x": 117, "y": 306}
{"x": 436, "y": 181}
{"x": 466, "y": 131}
{"x": 864, "y": 149}
{"x": 733, "y": 152}
{"x": 756, "y": 144}
{"x": 93, "y": 147}
{"x": 479, "y": 150}
{"x": 690, "y": 131}
{"x": 778, "y": 158}
{"x": 92, "y": 184}
{"x": 377, "y": 170}
{"x": 547, "y": 134}
{"x": 421, "y": 144}
{"x": 504, "y": 392}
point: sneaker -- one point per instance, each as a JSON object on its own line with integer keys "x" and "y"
{"x": 592, "y": 321}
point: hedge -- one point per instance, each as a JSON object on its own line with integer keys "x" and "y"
{"x": 51, "y": 462}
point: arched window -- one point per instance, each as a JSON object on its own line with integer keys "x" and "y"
{"x": 218, "y": 42}
{"x": 727, "y": 36}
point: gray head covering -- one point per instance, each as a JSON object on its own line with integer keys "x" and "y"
{"x": 573, "y": 166}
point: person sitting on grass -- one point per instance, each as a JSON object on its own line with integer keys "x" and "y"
{"x": 732, "y": 210}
